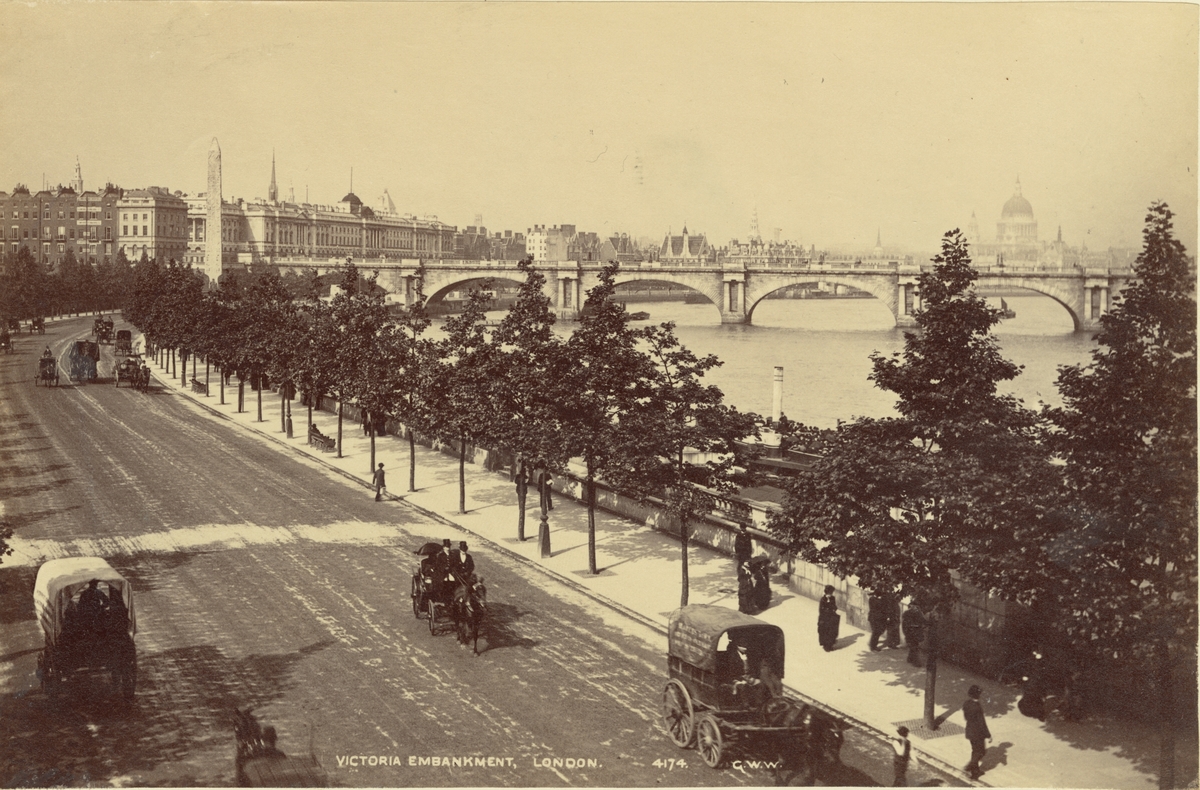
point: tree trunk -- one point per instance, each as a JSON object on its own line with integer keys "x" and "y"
{"x": 683, "y": 543}
{"x": 412, "y": 458}
{"x": 241, "y": 394}
{"x": 931, "y": 667}
{"x": 173, "y": 362}
{"x": 206, "y": 366}
{"x": 339, "y": 442}
{"x": 259, "y": 380}
{"x": 591, "y": 503}
{"x": 371, "y": 467}
{"x": 544, "y": 524}
{"x": 1166, "y": 716}
{"x": 221, "y": 376}
{"x": 282, "y": 409}
{"x": 462, "y": 474}
{"x": 522, "y": 494}
{"x": 193, "y": 366}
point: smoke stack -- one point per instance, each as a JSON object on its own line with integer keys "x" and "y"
{"x": 777, "y": 395}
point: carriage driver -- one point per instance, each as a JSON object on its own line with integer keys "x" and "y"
{"x": 443, "y": 566}
{"x": 462, "y": 564}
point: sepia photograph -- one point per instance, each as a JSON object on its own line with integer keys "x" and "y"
{"x": 600, "y": 394}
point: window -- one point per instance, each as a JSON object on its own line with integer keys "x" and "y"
{"x": 15, "y": 213}
{"x": 26, "y": 232}
{"x": 145, "y": 217}
{"x": 13, "y": 246}
{"x": 61, "y": 214}
{"x": 108, "y": 233}
{"x": 108, "y": 248}
{"x": 125, "y": 217}
{"x": 73, "y": 214}
{"x": 108, "y": 215}
{"x": 124, "y": 230}
{"x": 144, "y": 230}
{"x": 46, "y": 215}
{"x": 46, "y": 232}
{"x": 26, "y": 215}
{"x": 61, "y": 248}
{"x": 135, "y": 230}
{"x": 62, "y": 232}
{"x": 15, "y": 233}
{"x": 71, "y": 233}
{"x": 45, "y": 248}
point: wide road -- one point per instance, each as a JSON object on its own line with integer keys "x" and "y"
{"x": 263, "y": 579}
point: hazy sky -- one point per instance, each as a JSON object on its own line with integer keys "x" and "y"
{"x": 834, "y": 120}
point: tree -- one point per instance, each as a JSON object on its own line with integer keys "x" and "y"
{"x": 371, "y": 337}
{"x": 600, "y": 376}
{"x": 461, "y": 391}
{"x": 1127, "y": 431}
{"x": 528, "y": 421}
{"x": 413, "y": 358}
{"x": 905, "y": 503}
{"x": 679, "y": 416}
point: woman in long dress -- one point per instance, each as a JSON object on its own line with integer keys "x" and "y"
{"x": 828, "y": 619}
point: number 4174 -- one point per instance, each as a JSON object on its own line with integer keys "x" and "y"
{"x": 670, "y": 764}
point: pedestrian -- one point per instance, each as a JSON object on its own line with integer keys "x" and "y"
{"x": 828, "y": 619}
{"x": 903, "y": 757}
{"x": 914, "y": 623}
{"x": 379, "y": 483}
{"x": 876, "y": 618}
{"x": 743, "y": 548}
{"x": 893, "y": 621}
{"x": 977, "y": 730}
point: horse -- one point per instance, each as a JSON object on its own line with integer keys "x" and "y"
{"x": 811, "y": 753}
{"x": 468, "y": 607}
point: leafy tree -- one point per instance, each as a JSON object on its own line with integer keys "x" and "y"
{"x": 679, "y": 416}
{"x": 265, "y": 329}
{"x": 904, "y": 503}
{"x": 25, "y": 285}
{"x": 370, "y": 335}
{"x": 1127, "y": 431}
{"x": 460, "y": 394}
{"x": 67, "y": 284}
{"x": 529, "y": 423}
{"x": 600, "y": 376}
{"x": 413, "y": 359}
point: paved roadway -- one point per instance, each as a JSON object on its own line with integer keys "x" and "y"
{"x": 263, "y": 579}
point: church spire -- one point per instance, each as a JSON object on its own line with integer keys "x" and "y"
{"x": 273, "y": 192}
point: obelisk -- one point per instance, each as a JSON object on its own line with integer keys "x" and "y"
{"x": 212, "y": 229}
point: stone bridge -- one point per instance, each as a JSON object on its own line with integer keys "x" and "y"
{"x": 737, "y": 288}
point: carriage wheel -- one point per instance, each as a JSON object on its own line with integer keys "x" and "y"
{"x": 709, "y": 742}
{"x": 432, "y": 607}
{"x": 678, "y": 714}
{"x": 418, "y": 599}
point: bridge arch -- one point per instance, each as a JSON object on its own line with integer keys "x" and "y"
{"x": 1068, "y": 301}
{"x": 883, "y": 290}
{"x": 685, "y": 283}
{"x": 456, "y": 284}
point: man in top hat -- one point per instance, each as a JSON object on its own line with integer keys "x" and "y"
{"x": 442, "y": 566}
{"x": 463, "y": 563}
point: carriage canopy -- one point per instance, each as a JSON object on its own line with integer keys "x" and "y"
{"x": 58, "y": 581}
{"x": 694, "y": 633}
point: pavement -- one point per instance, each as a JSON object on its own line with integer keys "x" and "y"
{"x": 640, "y": 575}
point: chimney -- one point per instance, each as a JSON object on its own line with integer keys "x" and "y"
{"x": 777, "y": 395}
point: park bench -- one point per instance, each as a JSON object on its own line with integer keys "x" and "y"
{"x": 200, "y": 387}
{"x": 321, "y": 441}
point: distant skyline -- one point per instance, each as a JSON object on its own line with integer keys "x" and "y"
{"x": 835, "y": 121}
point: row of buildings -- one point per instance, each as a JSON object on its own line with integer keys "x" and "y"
{"x": 154, "y": 221}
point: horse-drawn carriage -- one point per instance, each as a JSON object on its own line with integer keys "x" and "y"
{"x": 88, "y": 630}
{"x": 124, "y": 344}
{"x": 129, "y": 370}
{"x": 37, "y": 324}
{"x": 725, "y": 694}
{"x": 441, "y": 592}
{"x": 6, "y": 341}
{"x": 104, "y": 333}
{"x": 83, "y": 358}
{"x": 47, "y": 372}
{"x": 260, "y": 763}
{"x": 14, "y": 326}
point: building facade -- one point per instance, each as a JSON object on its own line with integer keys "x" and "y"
{"x": 154, "y": 223}
{"x": 686, "y": 248}
{"x": 51, "y": 222}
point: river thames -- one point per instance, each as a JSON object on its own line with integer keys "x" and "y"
{"x": 824, "y": 346}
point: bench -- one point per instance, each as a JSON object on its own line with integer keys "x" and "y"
{"x": 322, "y": 442}
{"x": 200, "y": 387}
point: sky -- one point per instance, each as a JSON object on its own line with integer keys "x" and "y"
{"x": 835, "y": 122}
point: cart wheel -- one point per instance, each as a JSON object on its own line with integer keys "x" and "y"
{"x": 678, "y": 714}
{"x": 708, "y": 740}
{"x": 417, "y": 602}
{"x": 432, "y": 606}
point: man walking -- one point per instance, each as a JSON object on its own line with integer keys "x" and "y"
{"x": 876, "y": 618}
{"x": 743, "y": 548}
{"x": 828, "y": 619}
{"x": 379, "y": 483}
{"x": 913, "y": 622}
{"x": 977, "y": 730}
